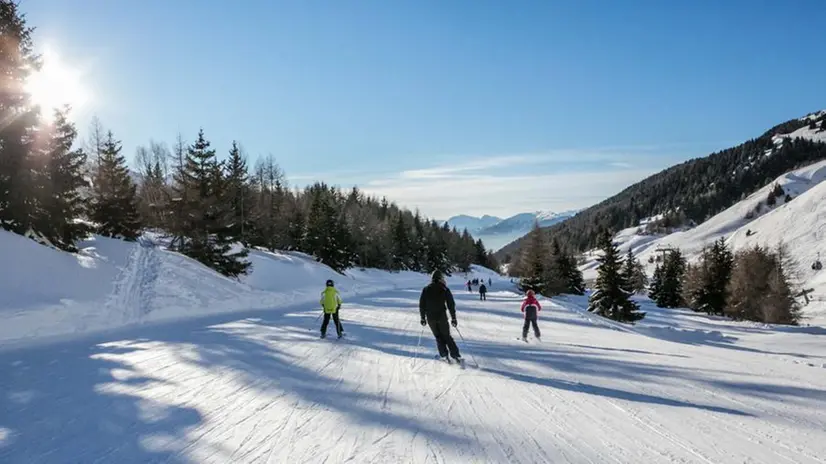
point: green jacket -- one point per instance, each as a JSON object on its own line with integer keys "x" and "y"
{"x": 330, "y": 300}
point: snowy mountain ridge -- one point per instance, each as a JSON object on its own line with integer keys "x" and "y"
{"x": 503, "y": 231}
{"x": 473, "y": 224}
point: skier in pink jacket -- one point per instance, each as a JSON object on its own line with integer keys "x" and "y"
{"x": 531, "y": 308}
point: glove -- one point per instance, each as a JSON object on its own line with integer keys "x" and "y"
{"x": 423, "y": 322}
{"x": 453, "y": 322}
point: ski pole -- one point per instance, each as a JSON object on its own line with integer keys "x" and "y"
{"x": 418, "y": 344}
{"x": 465, "y": 344}
{"x": 316, "y": 320}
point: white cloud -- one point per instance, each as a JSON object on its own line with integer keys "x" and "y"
{"x": 503, "y": 185}
{"x": 452, "y": 171}
{"x": 504, "y": 194}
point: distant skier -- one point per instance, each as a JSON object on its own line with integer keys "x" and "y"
{"x": 531, "y": 308}
{"x": 483, "y": 290}
{"x": 433, "y": 302}
{"x": 469, "y": 288}
{"x": 490, "y": 282}
{"x": 331, "y": 304}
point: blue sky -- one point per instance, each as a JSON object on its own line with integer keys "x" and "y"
{"x": 450, "y": 106}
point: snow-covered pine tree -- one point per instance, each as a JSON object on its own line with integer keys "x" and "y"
{"x": 612, "y": 296}
{"x": 18, "y": 191}
{"x": 203, "y": 232}
{"x": 59, "y": 181}
{"x": 114, "y": 203}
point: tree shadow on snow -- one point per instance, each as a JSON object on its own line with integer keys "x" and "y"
{"x": 77, "y": 403}
{"x": 712, "y": 338}
{"x": 606, "y": 392}
{"x": 82, "y": 400}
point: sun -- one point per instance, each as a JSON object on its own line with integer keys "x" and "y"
{"x": 55, "y": 85}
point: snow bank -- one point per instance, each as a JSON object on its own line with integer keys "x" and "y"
{"x": 109, "y": 284}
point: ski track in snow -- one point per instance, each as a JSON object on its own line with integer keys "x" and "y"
{"x": 266, "y": 389}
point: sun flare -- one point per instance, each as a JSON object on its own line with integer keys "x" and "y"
{"x": 55, "y": 85}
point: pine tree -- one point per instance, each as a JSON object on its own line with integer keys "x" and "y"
{"x": 532, "y": 261}
{"x": 297, "y": 229}
{"x": 18, "y": 189}
{"x": 437, "y": 252}
{"x": 670, "y": 286}
{"x": 402, "y": 246}
{"x": 59, "y": 181}
{"x": 481, "y": 254}
{"x": 656, "y": 283}
{"x": 721, "y": 265}
{"x": 556, "y": 272}
{"x": 419, "y": 253}
{"x": 238, "y": 194}
{"x": 634, "y": 273}
{"x": 203, "y": 232}
{"x": 576, "y": 282}
{"x": 114, "y": 206}
{"x": 612, "y": 296}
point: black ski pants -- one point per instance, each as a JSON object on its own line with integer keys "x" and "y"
{"x": 530, "y": 320}
{"x": 483, "y": 297}
{"x": 336, "y": 321}
{"x": 444, "y": 341}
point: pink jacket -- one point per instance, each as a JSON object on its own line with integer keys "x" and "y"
{"x": 531, "y": 300}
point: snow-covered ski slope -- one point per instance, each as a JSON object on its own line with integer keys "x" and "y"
{"x": 111, "y": 284}
{"x": 262, "y": 387}
{"x": 799, "y": 224}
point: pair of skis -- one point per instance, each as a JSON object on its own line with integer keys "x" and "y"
{"x": 450, "y": 361}
{"x": 526, "y": 339}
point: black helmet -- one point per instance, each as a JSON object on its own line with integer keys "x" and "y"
{"x": 437, "y": 276}
{"x": 329, "y": 282}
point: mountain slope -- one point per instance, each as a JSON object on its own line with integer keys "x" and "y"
{"x": 800, "y": 224}
{"x": 695, "y": 190}
{"x": 261, "y": 387}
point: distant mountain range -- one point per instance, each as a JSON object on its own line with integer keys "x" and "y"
{"x": 497, "y": 232}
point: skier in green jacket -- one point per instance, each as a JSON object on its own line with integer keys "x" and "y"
{"x": 330, "y": 304}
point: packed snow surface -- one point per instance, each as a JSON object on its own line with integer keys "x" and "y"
{"x": 261, "y": 387}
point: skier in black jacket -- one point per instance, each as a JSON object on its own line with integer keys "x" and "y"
{"x": 435, "y": 299}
